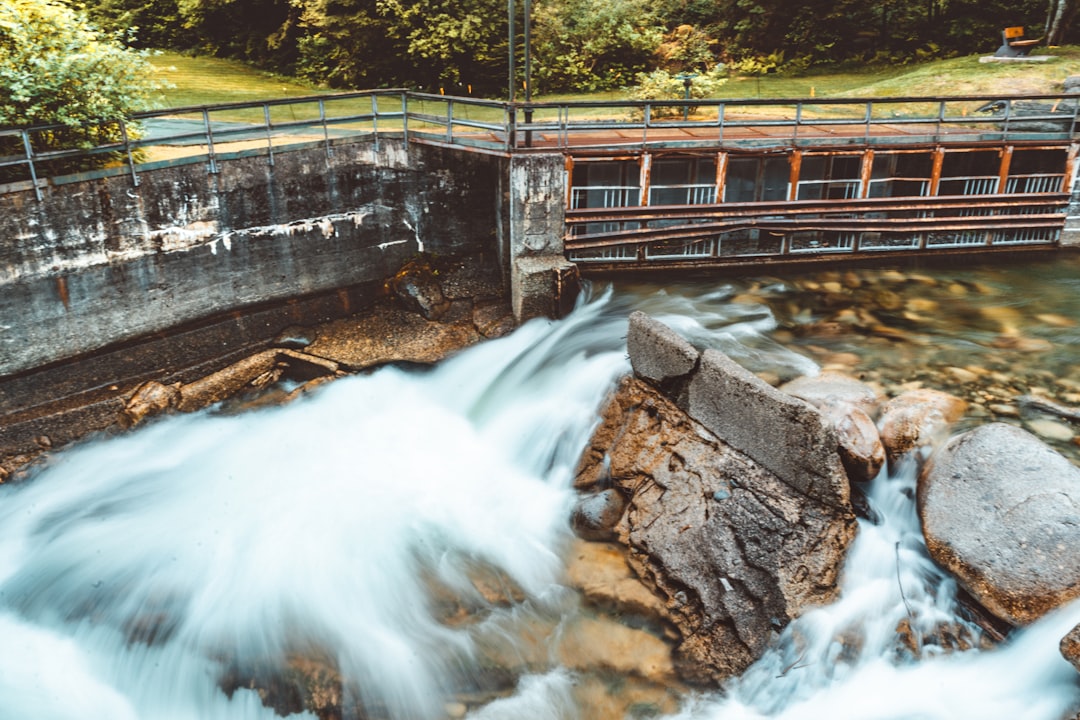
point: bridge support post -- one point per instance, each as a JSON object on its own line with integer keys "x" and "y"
{"x": 543, "y": 283}
{"x": 1070, "y": 235}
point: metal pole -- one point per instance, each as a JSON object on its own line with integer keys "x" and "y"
{"x": 528, "y": 71}
{"x": 510, "y": 53}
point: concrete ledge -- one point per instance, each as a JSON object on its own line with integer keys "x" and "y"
{"x": 543, "y": 286}
{"x": 783, "y": 434}
{"x": 657, "y": 353}
{"x": 1023, "y": 59}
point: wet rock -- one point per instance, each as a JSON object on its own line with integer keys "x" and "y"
{"x": 493, "y": 318}
{"x": 1000, "y": 510}
{"x": 733, "y": 551}
{"x": 295, "y": 337}
{"x": 594, "y": 516}
{"x": 598, "y": 698}
{"x": 860, "y": 446}
{"x": 389, "y": 334}
{"x": 602, "y": 644}
{"x": 916, "y": 419}
{"x": 832, "y": 387}
{"x": 1070, "y": 647}
{"x": 602, "y": 574}
{"x": 419, "y": 291}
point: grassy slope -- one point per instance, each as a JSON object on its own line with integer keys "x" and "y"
{"x": 202, "y": 80}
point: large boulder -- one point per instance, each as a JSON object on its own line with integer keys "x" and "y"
{"x": 1000, "y": 510}
{"x": 733, "y": 551}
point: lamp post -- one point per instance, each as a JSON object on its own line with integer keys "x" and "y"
{"x": 687, "y": 81}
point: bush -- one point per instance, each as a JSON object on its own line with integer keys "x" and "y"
{"x": 56, "y": 69}
{"x": 662, "y": 85}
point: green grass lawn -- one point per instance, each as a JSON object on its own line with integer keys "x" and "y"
{"x": 205, "y": 80}
{"x": 210, "y": 81}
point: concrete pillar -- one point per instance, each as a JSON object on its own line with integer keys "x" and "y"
{"x": 542, "y": 282}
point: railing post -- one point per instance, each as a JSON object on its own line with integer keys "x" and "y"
{"x": 940, "y": 120}
{"x": 1005, "y": 124}
{"x": 325, "y": 127}
{"x": 450, "y": 120}
{"x": 209, "y": 141}
{"x": 869, "y": 120}
{"x": 127, "y": 149}
{"x": 405, "y": 116}
{"x": 798, "y": 119}
{"x": 510, "y": 122}
{"x": 30, "y": 162}
{"x": 269, "y": 136}
{"x": 375, "y": 119}
{"x": 720, "y": 120}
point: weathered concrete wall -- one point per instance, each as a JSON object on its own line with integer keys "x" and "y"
{"x": 542, "y": 281}
{"x": 100, "y": 262}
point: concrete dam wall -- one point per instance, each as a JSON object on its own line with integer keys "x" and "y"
{"x": 103, "y": 261}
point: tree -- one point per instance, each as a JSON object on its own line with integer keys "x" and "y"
{"x": 56, "y": 69}
{"x": 593, "y": 44}
{"x": 1058, "y": 18}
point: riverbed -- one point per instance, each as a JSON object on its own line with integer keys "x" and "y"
{"x": 193, "y": 567}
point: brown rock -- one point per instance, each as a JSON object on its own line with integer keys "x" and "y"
{"x": 1070, "y": 647}
{"x": 1000, "y": 510}
{"x": 603, "y": 575}
{"x": 733, "y": 551}
{"x": 860, "y": 446}
{"x": 917, "y": 418}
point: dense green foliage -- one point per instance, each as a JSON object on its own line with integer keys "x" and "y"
{"x": 461, "y": 45}
{"x": 56, "y": 69}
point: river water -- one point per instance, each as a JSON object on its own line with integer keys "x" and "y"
{"x": 179, "y": 571}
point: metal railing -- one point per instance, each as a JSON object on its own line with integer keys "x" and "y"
{"x": 204, "y": 133}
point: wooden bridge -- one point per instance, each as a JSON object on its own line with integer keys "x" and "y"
{"x": 663, "y": 185}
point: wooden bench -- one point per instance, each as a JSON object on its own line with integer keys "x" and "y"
{"x": 1014, "y": 44}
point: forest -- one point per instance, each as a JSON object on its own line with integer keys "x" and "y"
{"x": 576, "y": 45}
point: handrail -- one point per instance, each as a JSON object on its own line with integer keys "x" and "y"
{"x": 580, "y": 125}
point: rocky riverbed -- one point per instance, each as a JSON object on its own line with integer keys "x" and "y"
{"x": 711, "y": 521}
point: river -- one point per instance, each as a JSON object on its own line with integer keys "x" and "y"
{"x": 167, "y": 572}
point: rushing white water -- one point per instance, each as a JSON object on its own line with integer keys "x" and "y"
{"x": 150, "y": 576}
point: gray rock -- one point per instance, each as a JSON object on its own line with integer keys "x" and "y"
{"x": 1071, "y": 84}
{"x": 594, "y": 516}
{"x": 733, "y": 550}
{"x": 416, "y": 286}
{"x": 1000, "y": 510}
{"x": 657, "y": 353}
{"x": 780, "y": 432}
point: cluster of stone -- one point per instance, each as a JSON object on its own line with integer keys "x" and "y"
{"x": 734, "y": 498}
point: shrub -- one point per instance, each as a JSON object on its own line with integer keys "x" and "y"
{"x": 55, "y": 69}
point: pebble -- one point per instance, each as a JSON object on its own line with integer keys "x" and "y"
{"x": 1051, "y": 430}
{"x": 1055, "y": 320}
{"x": 1004, "y": 410}
{"x": 961, "y": 374}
